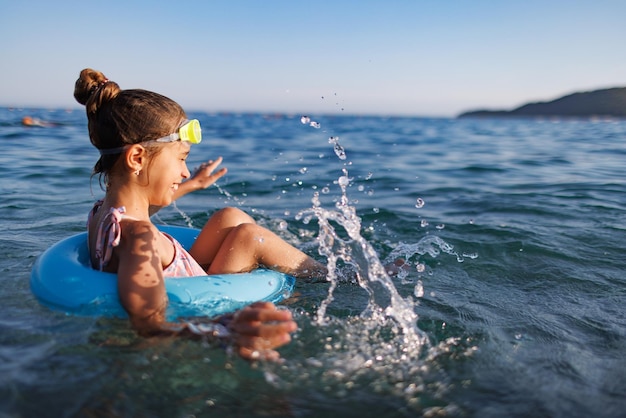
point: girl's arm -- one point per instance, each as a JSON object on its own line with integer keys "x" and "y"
{"x": 140, "y": 284}
{"x": 254, "y": 331}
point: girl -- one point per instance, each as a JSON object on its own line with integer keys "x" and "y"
{"x": 144, "y": 139}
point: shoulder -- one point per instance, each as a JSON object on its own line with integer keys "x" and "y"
{"x": 135, "y": 229}
{"x": 139, "y": 256}
{"x": 142, "y": 239}
{"x": 138, "y": 237}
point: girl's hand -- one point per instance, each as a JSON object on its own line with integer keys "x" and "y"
{"x": 258, "y": 329}
{"x": 204, "y": 176}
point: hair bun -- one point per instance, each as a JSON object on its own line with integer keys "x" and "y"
{"x": 87, "y": 83}
{"x": 90, "y": 85}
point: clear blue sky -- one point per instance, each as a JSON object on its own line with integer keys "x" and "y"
{"x": 413, "y": 57}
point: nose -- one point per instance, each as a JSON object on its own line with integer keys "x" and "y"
{"x": 186, "y": 174}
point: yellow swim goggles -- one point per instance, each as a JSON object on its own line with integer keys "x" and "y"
{"x": 189, "y": 131}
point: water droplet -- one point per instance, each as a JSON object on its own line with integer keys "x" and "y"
{"x": 420, "y": 267}
{"x": 419, "y": 289}
{"x": 424, "y": 223}
{"x": 341, "y": 153}
{"x": 314, "y": 124}
{"x": 282, "y": 225}
{"x": 325, "y": 190}
{"x": 343, "y": 181}
{"x": 305, "y": 120}
{"x": 440, "y": 226}
{"x": 303, "y": 170}
{"x": 369, "y": 175}
{"x": 376, "y": 210}
{"x": 419, "y": 203}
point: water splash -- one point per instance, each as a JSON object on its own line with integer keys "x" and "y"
{"x": 381, "y": 349}
{"x": 431, "y": 245}
{"x": 188, "y": 220}
{"x": 229, "y": 197}
{"x": 370, "y": 272}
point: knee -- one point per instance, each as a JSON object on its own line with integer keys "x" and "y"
{"x": 233, "y": 216}
{"x": 248, "y": 231}
{"x": 252, "y": 234}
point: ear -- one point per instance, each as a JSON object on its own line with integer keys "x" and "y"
{"x": 136, "y": 158}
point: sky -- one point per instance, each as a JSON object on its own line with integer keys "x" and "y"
{"x": 432, "y": 58}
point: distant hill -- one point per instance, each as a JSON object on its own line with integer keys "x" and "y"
{"x": 604, "y": 103}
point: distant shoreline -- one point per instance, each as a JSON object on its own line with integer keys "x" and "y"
{"x": 603, "y": 103}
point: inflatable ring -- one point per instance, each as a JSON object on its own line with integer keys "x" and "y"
{"x": 62, "y": 279}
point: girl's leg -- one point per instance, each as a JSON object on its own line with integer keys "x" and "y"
{"x": 249, "y": 246}
{"x": 215, "y": 232}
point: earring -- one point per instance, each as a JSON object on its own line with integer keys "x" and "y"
{"x": 137, "y": 172}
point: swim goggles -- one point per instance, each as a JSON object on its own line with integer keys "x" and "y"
{"x": 189, "y": 131}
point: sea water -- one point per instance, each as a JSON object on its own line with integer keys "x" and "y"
{"x": 509, "y": 299}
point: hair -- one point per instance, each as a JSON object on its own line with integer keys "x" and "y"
{"x": 119, "y": 117}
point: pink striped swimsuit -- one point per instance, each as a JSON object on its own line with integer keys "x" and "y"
{"x": 110, "y": 232}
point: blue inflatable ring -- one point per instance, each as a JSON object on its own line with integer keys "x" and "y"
{"x": 63, "y": 279}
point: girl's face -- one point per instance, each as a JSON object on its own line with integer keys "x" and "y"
{"x": 167, "y": 170}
